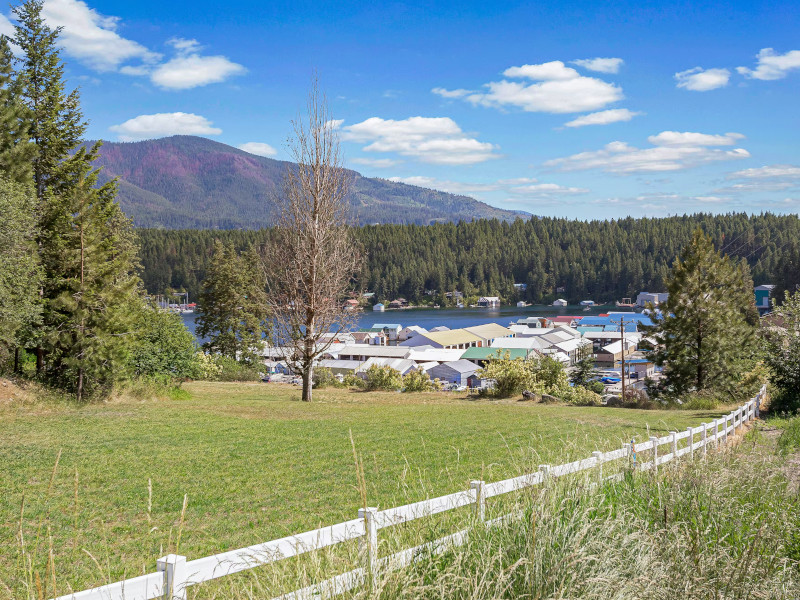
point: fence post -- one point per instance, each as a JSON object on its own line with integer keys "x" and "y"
{"x": 545, "y": 471}
{"x": 674, "y": 435}
{"x": 175, "y": 576}
{"x": 725, "y": 435}
{"x": 480, "y": 499}
{"x": 690, "y": 439}
{"x": 598, "y": 461}
{"x": 705, "y": 439}
{"x": 369, "y": 543}
{"x": 654, "y": 440}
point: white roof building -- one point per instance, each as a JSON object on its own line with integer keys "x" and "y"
{"x": 400, "y": 365}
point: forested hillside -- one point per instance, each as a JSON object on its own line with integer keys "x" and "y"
{"x": 193, "y": 182}
{"x": 601, "y": 260}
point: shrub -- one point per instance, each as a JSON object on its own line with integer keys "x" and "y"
{"x": 207, "y": 367}
{"x": 597, "y": 387}
{"x": 382, "y": 378}
{"x": 419, "y": 381}
{"x": 544, "y": 375}
{"x": 700, "y": 401}
{"x": 353, "y": 381}
{"x": 233, "y": 370}
{"x": 324, "y": 377}
{"x": 790, "y": 438}
{"x": 162, "y": 349}
{"x": 580, "y": 396}
{"x": 637, "y": 399}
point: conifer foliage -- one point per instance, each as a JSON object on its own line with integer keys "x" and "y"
{"x": 84, "y": 254}
{"x": 706, "y": 328}
{"x": 233, "y": 303}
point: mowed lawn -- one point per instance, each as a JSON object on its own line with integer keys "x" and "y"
{"x": 257, "y": 464}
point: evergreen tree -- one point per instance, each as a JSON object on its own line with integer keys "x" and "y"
{"x": 781, "y": 335}
{"x": 584, "y": 372}
{"x": 20, "y": 275}
{"x": 91, "y": 317}
{"x": 86, "y": 245}
{"x": 55, "y": 120}
{"x": 16, "y": 151}
{"x": 233, "y": 303}
{"x": 706, "y": 327}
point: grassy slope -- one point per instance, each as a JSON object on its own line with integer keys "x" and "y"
{"x": 258, "y": 464}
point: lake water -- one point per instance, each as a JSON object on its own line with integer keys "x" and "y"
{"x": 455, "y": 318}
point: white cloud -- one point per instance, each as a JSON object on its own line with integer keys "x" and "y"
{"x": 91, "y": 37}
{"x": 523, "y": 188}
{"x": 546, "y": 189}
{"x": 190, "y": 70}
{"x": 671, "y": 151}
{"x": 688, "y": 138}
{"x": 164, "y": 124}
{"x": 6, "y": 26}
{"x": 560, "y": 89}
{"x": 711, "y": 199}
{"x": 770, "y": 178}
{"x": 771, "y": 171}
{"x": 549, "y": 71}
{"x": 436, "y": 140}
{"x": 703, "y": 80}
{"x": 451, "y": 187}
{"x": 258, "y": 148}
{"x": 601, "y": 65}
{"x": 445, "y": 93}
{"x": 603, "y": 117}
{"x": 378, "y": 163}
{"x": 772, "y": 66}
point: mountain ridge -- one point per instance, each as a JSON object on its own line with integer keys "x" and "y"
{"x": 189, "y": 182}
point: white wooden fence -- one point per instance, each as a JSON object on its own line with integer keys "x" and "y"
{"x": 175, "y": 573}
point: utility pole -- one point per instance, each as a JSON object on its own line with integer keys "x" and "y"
{"x": 622, "y": 341}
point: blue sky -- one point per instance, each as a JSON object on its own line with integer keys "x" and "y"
{"x": 584, "y": 110}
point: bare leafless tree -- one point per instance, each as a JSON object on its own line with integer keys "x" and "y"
{"x": 312, "y": 259}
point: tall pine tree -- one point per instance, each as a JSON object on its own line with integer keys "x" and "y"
{"x": 86, "y": 245}
{"x": 16, "y": 151}
{"x": 706, "y": 328}
{"x": 233, "y": 303}
{"x": 97, "y": 287}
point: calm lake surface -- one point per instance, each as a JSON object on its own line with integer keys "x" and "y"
{"x": 461, "y": 317}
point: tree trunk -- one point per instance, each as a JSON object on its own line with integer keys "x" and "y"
{"x": 700, "y": 374}
{"x": 16, "y": 359}
{"x": 80, "y": 384}
{"x": 39, "y": 359}
{"x": 307, "y": 383}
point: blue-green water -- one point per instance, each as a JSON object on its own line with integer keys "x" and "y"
{"x": 461, "y": 317}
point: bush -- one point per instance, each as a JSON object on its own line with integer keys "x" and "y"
{"x": 207, "y": 367}
{"x": 597, "y": 387}
{"x": 324, "y": 377}
{"x": 382, "y": 378}
{"x": 419, "y": 381}
{"x": 790, "y": 438}
{"x": 353, "y": 381}
{"x": 162, "y": 349}
{"x": 544, "y": 375}
{"x": 700, "y": 401}
{"x": 233, "y": 370}
{"x": 785, "y": 401}
{"x": 637, "y": 399}
{"x": 580, "y": 396}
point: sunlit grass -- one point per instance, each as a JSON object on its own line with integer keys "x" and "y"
{"x": 258, "y": 464}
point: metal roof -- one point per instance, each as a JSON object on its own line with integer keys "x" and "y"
{"x": 492, "y": 353}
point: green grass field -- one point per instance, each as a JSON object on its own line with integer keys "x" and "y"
{"x": 257, "y": 464}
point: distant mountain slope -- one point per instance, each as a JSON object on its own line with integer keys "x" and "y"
{"x": 196, "y": 183}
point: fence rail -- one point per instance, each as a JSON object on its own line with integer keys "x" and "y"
{"x": 176, "y": 573}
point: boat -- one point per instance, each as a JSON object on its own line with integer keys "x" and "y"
{"x": 587, "y": 302}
